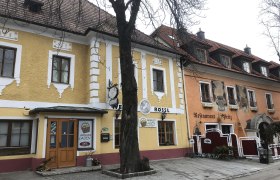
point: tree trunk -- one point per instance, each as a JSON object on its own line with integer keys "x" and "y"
{"x": 129, "y": 147}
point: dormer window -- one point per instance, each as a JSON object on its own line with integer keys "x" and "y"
{"x": 246, "y": 67}
{"x": 33, "y": 5}
{"x": 225, "y": 61}
{"x": 264, "y": 71}
{"x": 200, "y": 54}
{"x": 171, "y": 37}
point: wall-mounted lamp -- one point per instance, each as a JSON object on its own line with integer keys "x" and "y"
{"x": 163, "y": 115}
{"x": 118, "y": 113}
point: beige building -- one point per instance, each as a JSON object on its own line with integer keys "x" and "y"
{"x": 54, "y": 90}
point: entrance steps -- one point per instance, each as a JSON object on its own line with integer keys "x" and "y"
{"x": 69, "y": 170}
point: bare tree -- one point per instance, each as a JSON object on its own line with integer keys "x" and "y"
{"x": 270, "y": 18}
{"x": 181, "y": 14}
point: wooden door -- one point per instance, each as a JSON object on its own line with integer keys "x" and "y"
{"x": 61, "y": 142}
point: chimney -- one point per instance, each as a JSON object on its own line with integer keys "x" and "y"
{"x": 200, "y": 34}
{"x": 247, "y": 50}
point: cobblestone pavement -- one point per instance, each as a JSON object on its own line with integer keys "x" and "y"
{"x": 184, "y": 168}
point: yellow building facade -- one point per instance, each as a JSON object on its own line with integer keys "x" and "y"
{"x": 54, "y": 104}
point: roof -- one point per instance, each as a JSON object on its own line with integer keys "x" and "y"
{"x": 67, "y": 109}
{"x": 164, "y": 33}
{"x": 73, "y": 18}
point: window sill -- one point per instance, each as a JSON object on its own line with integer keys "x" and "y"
{"x": 254, "y": 109}
{"x": 233, "y": 107}
{"x": 207, "y": 104}
{"x": 271, "y": 111}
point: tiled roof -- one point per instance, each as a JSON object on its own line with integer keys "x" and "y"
{"x": 164, "y": 32}
{"x": 91, "y": 17}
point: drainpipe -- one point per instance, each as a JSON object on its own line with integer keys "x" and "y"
{"x": 185, "y": 100}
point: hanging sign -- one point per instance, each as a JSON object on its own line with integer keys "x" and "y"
{"x": 85, "y": 135}
{"x": 191, "y": 141}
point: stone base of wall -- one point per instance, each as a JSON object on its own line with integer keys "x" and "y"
{"x": 105, "y": 159}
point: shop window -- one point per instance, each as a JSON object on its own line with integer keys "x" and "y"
{"x": 15, "y": 137}
{"x": 252, "y": 98}
{"x": 205, "y": 92}
{"x": 60, "y": 69}
{"x": 231, "y": 95}
{"x": 246, "y": 67}
{"x": 269, "y": 102}
{"x": 201, "y": 54}
{"x": 264, "y": 71}
{"x": 166, "y": 133}
{"x": 7, "y": 61}
{"x": 158, "y": 80}
{"x": 226, "y": 129}
{"x": 225, "y": 61}
{"x": 117, "y": 133}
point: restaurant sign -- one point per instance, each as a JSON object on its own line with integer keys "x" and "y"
{"x": 85, "y": 135}
{"x": 147, "y": 123}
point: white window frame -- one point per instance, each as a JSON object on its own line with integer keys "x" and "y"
{"x": 264, "y": 71}
{"x": 234, "y": 94}
{"x": 5, "y": 81}
{"x": 158, "y": 93}
{"x": 216, "y": 124}
{"x": 210, "y": 91}
{"x": 226, "y": 124}
{"x": 245, "y": 67}
{"x": 175, "y": 132}
{"x": 60, "y": 86}
{"x": 271, "y": 100}
{"x": 225, "y": 57}
{"x": 200, "y": 49}
{"x": 254, "y": 97}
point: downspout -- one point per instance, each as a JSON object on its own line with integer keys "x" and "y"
{"x": 185, "y": 100}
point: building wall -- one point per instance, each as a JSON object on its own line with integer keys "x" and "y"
{"x": 96, "y": 62}
{"x": 238, "y": 118}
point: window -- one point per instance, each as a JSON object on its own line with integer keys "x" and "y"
{"x": 15, "y": 137}
{"x": 269, "y": 101}
{"x": 231, "y": 95}
{"x": 117, "y": 133}
{"x": 205, "y": 92}
{"x": 225, "y": 61}
{"x": 200, "y": 54}
{"x": 226, "y": 129}
{"x": 246, "y": 67}
{"x": 264, "y": 71}
{"x": 60, "y": 69}
{"x": 211, "y": 126}
{"x": 166, "y": 133}
{"x": 252, "y": 98}
{"x": 158, "y": 80}
{"x": 7, "y": 61}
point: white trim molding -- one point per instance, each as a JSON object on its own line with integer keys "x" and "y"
{"x": 172, "y": 84}
{"x": 61, "y": 87}
{"x": 4, "y": 81}
{"x": 158, "y": 94}
{"x": 144, "y": 76}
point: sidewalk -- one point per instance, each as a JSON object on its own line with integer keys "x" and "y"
{"x": 184, "y": 168}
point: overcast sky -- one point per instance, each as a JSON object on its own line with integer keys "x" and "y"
{"x": 235, "y": 23}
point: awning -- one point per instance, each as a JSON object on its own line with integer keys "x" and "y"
{"x": 67, "y": 109}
